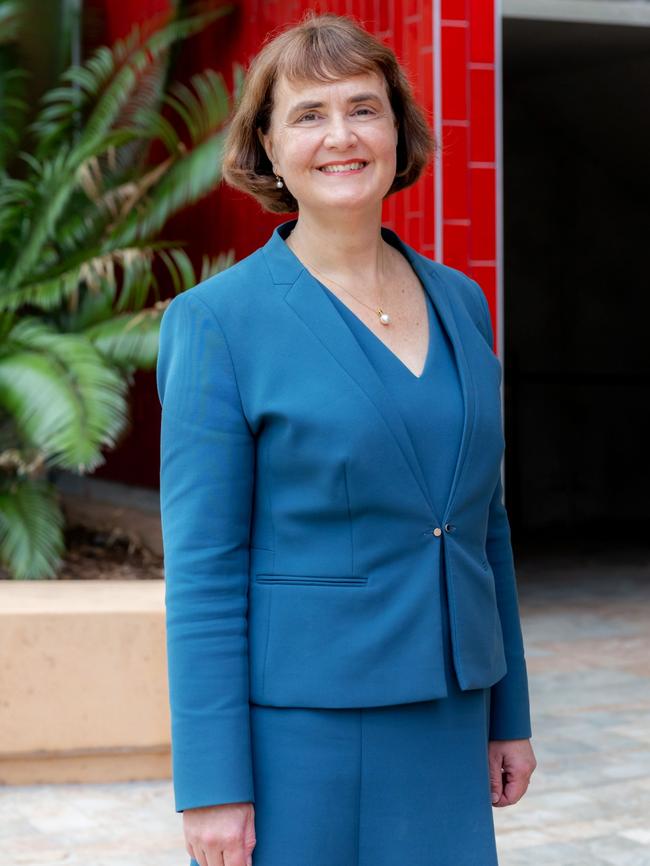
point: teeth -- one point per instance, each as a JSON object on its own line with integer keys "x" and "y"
{"x": 348, "y": 167}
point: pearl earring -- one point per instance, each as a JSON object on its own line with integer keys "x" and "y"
{"x": 278, "y": 182}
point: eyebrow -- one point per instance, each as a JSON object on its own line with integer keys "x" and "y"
{"x": 358, "y": 97}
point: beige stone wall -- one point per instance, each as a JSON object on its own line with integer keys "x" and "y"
{"x": 83, "y": 683}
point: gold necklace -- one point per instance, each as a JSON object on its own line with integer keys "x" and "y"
{"x": 384, "y": 318}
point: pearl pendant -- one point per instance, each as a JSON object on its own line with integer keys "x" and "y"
{"x": 384, "y": 318}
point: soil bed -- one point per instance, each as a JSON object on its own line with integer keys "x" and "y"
{"x": 95, "y": 555}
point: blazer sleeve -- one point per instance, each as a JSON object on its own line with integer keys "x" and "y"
{"x": 509, "y": 698}
{"x": 206, "y": 480}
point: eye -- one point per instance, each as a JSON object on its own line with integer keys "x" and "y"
{"x": 311, "y": 115}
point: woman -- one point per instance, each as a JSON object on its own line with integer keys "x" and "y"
{"x": 346, "y": 669}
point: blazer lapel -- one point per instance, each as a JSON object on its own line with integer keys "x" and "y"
{"x": 308, "y": 300}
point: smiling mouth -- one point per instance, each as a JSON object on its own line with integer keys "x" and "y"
{"x": 346, "y": 168}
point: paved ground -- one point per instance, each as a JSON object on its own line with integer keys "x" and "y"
{"x": 586, "y": 623}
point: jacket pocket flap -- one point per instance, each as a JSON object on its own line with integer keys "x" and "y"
{"x": 312, "y": 579}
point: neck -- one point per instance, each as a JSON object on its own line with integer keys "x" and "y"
{"x": 348, "y": 249}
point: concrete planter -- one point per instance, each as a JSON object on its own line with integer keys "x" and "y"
{"x": 83, "y": 684}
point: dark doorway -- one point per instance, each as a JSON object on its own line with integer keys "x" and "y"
{"x": 576, "y": 145}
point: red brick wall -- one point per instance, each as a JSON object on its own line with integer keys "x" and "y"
{"x": 448, "y": 50}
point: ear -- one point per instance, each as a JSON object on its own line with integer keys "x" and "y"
{"x": 265, "y": 141}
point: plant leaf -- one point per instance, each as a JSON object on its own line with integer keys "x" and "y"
{"x": 10, "y": 12}
{"x": 31, "y": 528}
{"x": 188, "y": 180}
{"x": 64, "y": 398}
{"x": 129, "y": 340}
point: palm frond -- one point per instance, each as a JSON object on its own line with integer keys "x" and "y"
{"x": 46, "y": 195}
{"x": 131, "y": 340}
{"x": 100, "y": 201}
{"x": 13, "y": 110}
{"x": 54, "y": 179}
{"x": 210, "y": 266}
{"x": 31, "y": 528}
{"x": 153, "y": 125}
{"x": 62, "y": 282}
{"x": 10, "y": 12}
{"x": 110, "y": 79}
{"x": 122, "y": 277}
{"x": 78, "y": 245}
{"x": 187, "y": 181}
{"x": 116, "y": 200}
{"x": 7, "y": 321}
{"x": 58, "y": 174}
{"x": 238, "y": 79}
{"x": 45, "y": 294}
{"x": 63, "y": 397}
{"x": 180, "y": 269}
{"x": 17, "y": 197}
{"x": 203, "y": 108}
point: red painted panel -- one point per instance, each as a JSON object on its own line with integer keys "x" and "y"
{"x": 411, "y": 8}
{"x": 411, "y": 51}
{"x": 482, "y": 149}
{"x": 483, "y": 237}
{"x": 424, "y": 85}
{"x": 120, "y": 17}
{"x": 395, "y": 36}
{"x": 455, "y": 80}
{"x": 482, "y": 130}
{"x": 481, "y": 17}
{"x": 384, "y": 16}
{"x": 428, "y": 209}
{"x": 456, "y": 243}
{"x": 454, "y": 9}
{"x": 456, "y": 202}
{"x": 426, "y": 33}
{"x": 366, "y": 15}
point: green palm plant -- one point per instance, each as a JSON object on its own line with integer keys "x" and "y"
{"x": 80, "y": 217}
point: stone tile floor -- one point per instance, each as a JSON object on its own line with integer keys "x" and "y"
{"x": 586, "y": 622}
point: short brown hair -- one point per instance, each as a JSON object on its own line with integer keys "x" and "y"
{"x": 320, "y": 48}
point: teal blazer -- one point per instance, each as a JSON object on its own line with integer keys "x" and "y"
{"x": 301, "y": 544}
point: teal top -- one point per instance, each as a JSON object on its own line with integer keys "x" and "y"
{"x": 431, "y": 405}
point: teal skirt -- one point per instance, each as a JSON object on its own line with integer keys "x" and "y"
{"x": 403, "y": 784}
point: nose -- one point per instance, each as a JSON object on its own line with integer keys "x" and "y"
{"x": 339, "y": 132}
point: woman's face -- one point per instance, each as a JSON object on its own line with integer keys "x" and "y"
{"x": 340, "y": 123}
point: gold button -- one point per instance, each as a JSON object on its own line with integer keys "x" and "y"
{"x": 437, "y": 531}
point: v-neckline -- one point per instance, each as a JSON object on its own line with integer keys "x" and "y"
{"x": 427, "y": 302}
